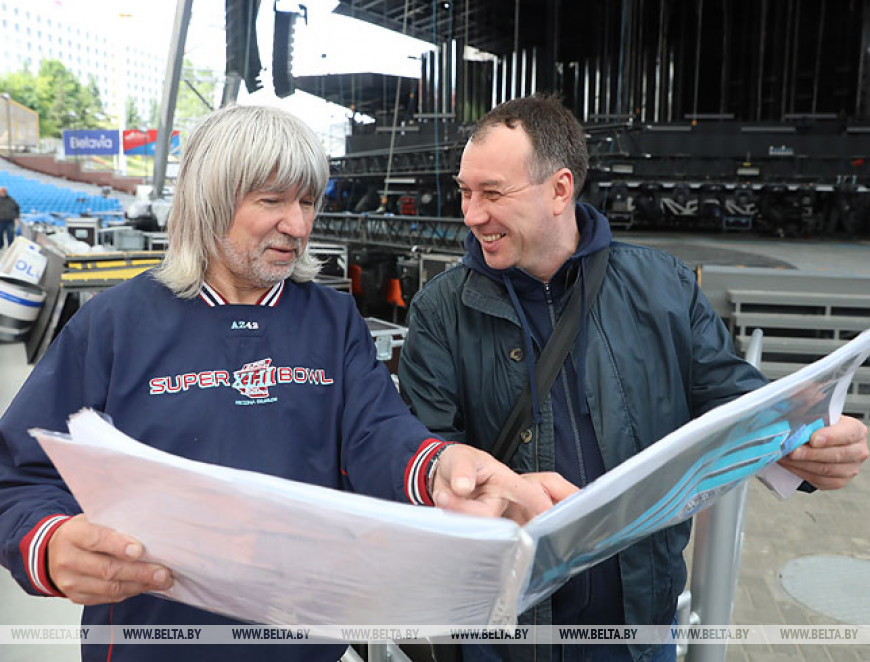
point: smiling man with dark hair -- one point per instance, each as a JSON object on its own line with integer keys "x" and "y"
{"x": 649, "y": 355}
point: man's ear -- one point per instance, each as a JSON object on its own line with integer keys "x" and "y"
{"x": 563, "y": 189}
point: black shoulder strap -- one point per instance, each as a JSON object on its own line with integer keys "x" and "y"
{"x": 552, "y": 357}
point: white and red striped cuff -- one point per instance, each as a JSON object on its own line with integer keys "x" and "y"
{"x": 34, "y": 551}
{"x": 417, "y": 472}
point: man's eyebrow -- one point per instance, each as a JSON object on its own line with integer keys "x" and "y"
{"x": 489, "y": 183}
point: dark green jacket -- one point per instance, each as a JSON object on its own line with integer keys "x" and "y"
{"x": 657, "y": 356}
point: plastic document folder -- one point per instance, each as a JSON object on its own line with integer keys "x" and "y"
{"x": 273, "y": 551}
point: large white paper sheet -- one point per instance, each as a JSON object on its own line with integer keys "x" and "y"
{"x": 268, "y": 550}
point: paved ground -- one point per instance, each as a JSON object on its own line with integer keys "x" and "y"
{"x": 832, "y": 257}
{"x": 777, "y": 533}
{"x": 16, "y": 607}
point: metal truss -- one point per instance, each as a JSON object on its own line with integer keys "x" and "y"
{"x": 417, "y": 233}
{"x": 406, "y": 161}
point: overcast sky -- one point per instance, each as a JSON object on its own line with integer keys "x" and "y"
{"x": 327, "y": 44}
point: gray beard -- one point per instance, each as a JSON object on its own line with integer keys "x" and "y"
{"x": 252, "y": 267}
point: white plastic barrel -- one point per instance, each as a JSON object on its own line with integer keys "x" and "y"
{"x": 20, "y": 303}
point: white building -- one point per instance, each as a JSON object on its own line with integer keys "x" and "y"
{"x": 101, "y": 44}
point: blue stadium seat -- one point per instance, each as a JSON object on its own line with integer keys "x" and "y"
{"x": 38, "y": 198}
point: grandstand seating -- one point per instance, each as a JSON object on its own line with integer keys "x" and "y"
{"x": 36, "y": 197}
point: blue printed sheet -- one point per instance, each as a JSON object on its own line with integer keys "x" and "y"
{"x": 685, "y": 471}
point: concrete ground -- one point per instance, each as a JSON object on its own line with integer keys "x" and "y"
{"x": 16, "y": 607}
{"x": 777, "y": 534}
{"x": 850, "y": 257}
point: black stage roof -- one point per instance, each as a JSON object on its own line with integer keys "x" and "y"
{"x": 364, "y": 92}
{"x": 485, "y": 24}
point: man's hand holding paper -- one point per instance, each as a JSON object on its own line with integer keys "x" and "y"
{"x": 92, "y": 564}
{"x": 470, "y": 481}
{"x": 833, "y": 455}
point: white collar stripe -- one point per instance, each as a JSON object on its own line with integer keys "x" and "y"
{"x": 212, "y": 298}
{"x": 272, "y": 297}
{"x": 208, "y": 302}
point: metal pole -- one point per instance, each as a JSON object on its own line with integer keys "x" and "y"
{"x": 698, "y": 58}
{"x": 794, "y": 57}
{"x": 231, "y": 89}
{"x": 386, "y": 653}
{"x": 516, "y": 49}
{"x": 8, "y": 124}
{"x": 350, "y": 655}
{"x": 818, "y": 68}
{"x": 762, "y": 36}
{"x": 724, "y": 90}
{"x": 170, "y": 94}
{"x": 377, "y": 653}
{"x": 716, "y": 555}
{"x": 790, "y": 17}
{"x": 865, "y": 23}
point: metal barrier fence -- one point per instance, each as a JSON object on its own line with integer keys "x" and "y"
{"x": 716, "y": 557}
{"x": 19, "y": 126}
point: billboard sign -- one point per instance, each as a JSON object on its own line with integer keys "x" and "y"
{"x": 83, "y": 142}
{"x": 142, "y": 143}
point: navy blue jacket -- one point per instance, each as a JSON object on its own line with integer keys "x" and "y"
{"x": 594, "y": 596}
{"x": 653, "y": 355}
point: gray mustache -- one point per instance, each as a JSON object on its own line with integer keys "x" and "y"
{"x": 295, "y": 244}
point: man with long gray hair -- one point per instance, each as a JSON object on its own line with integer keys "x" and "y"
{"x": 227, "y": 353}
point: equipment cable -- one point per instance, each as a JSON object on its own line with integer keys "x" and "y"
{"x": 395, "y": 118}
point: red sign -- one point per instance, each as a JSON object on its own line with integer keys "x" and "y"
{"x": 143, "y": 142}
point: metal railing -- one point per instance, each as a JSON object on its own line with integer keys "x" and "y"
{"x": 377, "y": 653}
{"x": 446, "y": 235}
{"x": 716, "y": 558}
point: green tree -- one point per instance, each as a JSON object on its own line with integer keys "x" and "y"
{"x": 21, "y": 86}
{"x": 191, "y": 106}
{"x": 134, "y": 120}
{"x": 154, "y": 113}
{"x": 57, "y": 95}
{"x": 64, "y": 103}
{"x": 95, "y": 103}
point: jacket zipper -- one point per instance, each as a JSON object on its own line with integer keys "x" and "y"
{"x": 563, "y": 376}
